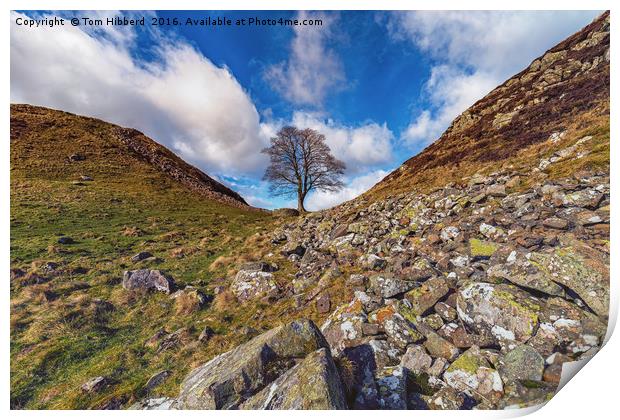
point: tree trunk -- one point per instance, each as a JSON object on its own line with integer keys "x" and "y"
{"x": 300, "y": 202}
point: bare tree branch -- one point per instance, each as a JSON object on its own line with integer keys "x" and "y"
{"x": 301, "y": 161}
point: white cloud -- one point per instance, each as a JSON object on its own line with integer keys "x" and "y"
{"x": 473, "y": 53}
{"x": 313, "y": 70}
{"x": 450, "y": 91}
{"x": 320, "y": 200}
{"x": 360, "y": 147}
{"x": 180, "y": 99}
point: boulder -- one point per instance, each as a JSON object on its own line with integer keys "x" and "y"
{"x": 142, "y": 255}
{"x": 174, "y": 340}
{"x": 259, "y": 266}
{"x": 313, "y": 384}
{"x": 373, "y": 354}
{"x": 448, "y": 398}
{"x": 400, "y": 331}
{"x": 423, "y": 298}
{"x": 521, "y": 394}
{"x": 582, "y": 272}
{"x": 387, "y": 286}
{"x": 479, "y": 249}
{"x": 343, "y": 328}
{"x": 189, "y": 300}
{"x": 521, "y": 363}
{"x": 146, "y": 279}
{"x": 448, "y": 313}
{"x": 502, "y": 312}
{"x": 440, "y": 347}
{"x": 76, "y": 157}
{"x": 456, "y": 334}
{"x": 496, "y": 190}
{"x": 206, "y": 334}
{"x": 251, "y": 284}
{"x": 472, "y": 372}
{"x": 449, "y": 233}
{"x": 525, "y": 272}
{"x": 555, "y": 223}
{"x": 65, "y": 240}
{"x": 156, "y": 379}
{"x": 434, "y": 321}
{"x": 323, "y": 303}
{"x": 374, "y": 262}
{"x": 588, "y": 218}
{"x": 416, "y": 360}
{"x": 230, "y": 378}
{"x": 285, "y": 212}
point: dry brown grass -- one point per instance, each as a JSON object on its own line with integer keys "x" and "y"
{"x": 221, "y": 262}
{"x": 347, "y": 370}
{"x": 171, "y": 236}
{"x": 183, "y": 251}
{"x": 594, "y": 122}
{"x": 186, "y": 304}
{"x": 224, "y": 301}
{"x": 132, "y": 231}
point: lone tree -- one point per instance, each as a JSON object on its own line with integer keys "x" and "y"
{"x": 301, "y": 161}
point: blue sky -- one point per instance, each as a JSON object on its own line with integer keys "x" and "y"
{"x": 380, "y": 85}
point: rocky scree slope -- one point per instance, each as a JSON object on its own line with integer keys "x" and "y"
{"x": 470, "y": 295}
{"x": 103, "y": 148}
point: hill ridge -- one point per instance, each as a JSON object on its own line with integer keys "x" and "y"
{"x": 139, "y": 145}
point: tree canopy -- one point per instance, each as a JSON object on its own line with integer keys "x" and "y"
{"x": 301, "y": 161}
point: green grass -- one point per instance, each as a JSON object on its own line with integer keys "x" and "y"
{"x": 58, "y": 345}
{"x": 61, "y": 333}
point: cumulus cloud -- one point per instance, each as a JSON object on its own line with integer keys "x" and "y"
{"x": 450, "y": 91}
{"x": 179, "y": 98}
{"x": 474, "y": 52}
{"x": 312, "y": 69}
{"x": 320, "y": 200}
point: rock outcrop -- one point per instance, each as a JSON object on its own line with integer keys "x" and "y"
{"x": 232, "y": 378}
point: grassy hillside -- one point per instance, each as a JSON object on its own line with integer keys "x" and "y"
{"x": 70, "y": 318}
